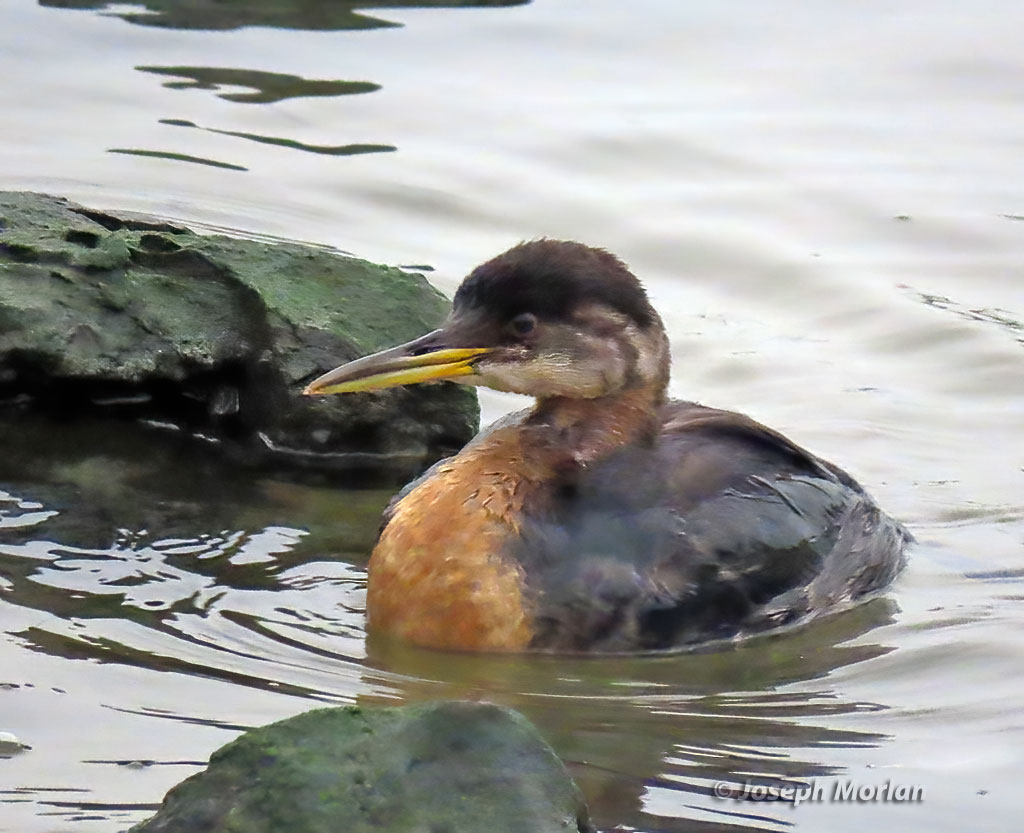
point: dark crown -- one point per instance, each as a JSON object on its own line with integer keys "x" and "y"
{"x": 550, "y": 278}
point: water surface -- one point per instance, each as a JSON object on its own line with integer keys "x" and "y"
{"x": 827, "y": 205}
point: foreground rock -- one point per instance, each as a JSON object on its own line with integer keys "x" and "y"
{"x": 451, "y": 767}
{"x": 216, "y": 335}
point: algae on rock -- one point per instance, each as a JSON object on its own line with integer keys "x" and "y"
{"x": 216, "y": 335}
{"x": 456, "y": 767}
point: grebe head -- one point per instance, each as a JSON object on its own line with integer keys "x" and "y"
{"x": 548, "y": 318}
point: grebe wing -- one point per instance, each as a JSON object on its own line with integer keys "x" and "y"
{"x": 720, "y": 527}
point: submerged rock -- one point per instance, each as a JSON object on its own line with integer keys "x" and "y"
{"x": 449, "y": 767}
{"x": 124, "y": 315}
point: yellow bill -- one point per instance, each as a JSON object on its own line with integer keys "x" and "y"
{"x": 398, "y": 366}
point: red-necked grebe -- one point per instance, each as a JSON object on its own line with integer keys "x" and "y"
{"x": 607, "y": 518}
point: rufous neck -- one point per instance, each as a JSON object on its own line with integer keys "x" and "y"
{"x": 587, "y": 429}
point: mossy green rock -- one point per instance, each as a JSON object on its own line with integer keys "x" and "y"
{"x": 447, "y": 767}
{"x": 216, "y": 335}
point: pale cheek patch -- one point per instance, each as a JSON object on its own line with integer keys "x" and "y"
{"x": 647, "y": 349}
{"x": 553, "y": 374}
{"x": 600, "y": 352}
{"x": 652, "y": 350}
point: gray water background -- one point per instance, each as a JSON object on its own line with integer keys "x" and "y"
{"x": 826, "y": 202}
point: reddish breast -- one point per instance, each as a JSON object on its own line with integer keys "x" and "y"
{"x": 437, "y": 577}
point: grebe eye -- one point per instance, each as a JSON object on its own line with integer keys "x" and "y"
{"x": 524, "y": 323}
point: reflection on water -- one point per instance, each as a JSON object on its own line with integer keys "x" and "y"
{"x": 338, "y": 150}
{"x": 170, "y": 560}
{"x": 630, "y": 728}
{"x": 267, "y": 87}
{"x": 297, "y": 14}
{"x": 999, "y": 317}
{"x": 177, "y": 157}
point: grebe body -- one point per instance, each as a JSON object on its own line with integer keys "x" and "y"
{"x": 605, "y": 519}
